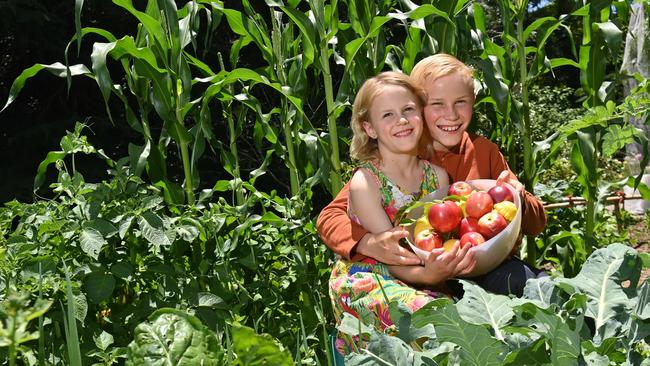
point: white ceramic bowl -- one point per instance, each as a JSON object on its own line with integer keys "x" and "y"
{"x": 489, "y": 254}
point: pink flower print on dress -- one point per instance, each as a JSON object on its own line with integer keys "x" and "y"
{"x": 383, "y": 313}
{"x": 363, "y": 285}
{"x": 391, "y": 210}
{"x": 418, "y": 302}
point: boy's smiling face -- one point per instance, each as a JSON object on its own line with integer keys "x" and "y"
{"x": 448, "y": 110}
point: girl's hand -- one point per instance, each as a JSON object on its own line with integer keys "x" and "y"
{"x": 385, "y": 248}
{"x": 441, "y": 265}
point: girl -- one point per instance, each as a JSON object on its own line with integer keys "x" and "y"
{"x": 387, "y": 126}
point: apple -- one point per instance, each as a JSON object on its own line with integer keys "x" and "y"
{"x": 449, "y": 243}
{"x": 471, "y": 238}
{"x": 468, "y": 224}
{"x": 478, "y": 204}
{"x": 421, "y": 224}
{"x": 500, "y": 193}
{"x": 460, "y": 188}
{"x": 491, "y": 224}
{"x": 445, "y": 216}
{"x": 507, "y": 209}
{"x": 428, "y": 240}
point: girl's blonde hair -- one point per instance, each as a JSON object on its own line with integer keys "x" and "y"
{"x": 362, "y": 147}
{"x": 439, "y": 65}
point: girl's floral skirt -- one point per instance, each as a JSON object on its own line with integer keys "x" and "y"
{"x": 364, "y": 290}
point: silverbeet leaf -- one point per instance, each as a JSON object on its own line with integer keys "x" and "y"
{"x": 172, "y": 337}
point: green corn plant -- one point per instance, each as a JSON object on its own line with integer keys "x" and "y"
{"x": 158, "y": 81}
{"x": 508, "y": 75}
{"x": 601, "y": 41}
{"x": 432, "y": 29}
{"x": 285, "y": 65}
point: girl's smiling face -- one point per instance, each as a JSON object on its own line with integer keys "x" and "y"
{"x": 448, "y": 110}
{"x": 395, "y": 121}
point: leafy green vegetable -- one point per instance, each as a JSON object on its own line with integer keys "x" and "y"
{"x": 172, "y": 337}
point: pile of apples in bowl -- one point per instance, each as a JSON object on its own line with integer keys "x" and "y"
{"x": 479, "y": 213}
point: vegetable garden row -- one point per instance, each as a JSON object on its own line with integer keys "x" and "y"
{"x": 158, "y": 264}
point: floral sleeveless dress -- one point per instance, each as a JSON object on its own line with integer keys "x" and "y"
{"x": 364, "y": 289}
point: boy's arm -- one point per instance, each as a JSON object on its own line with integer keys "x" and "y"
{"x": 337, "y": 230}
{"x": 533, "y": 214}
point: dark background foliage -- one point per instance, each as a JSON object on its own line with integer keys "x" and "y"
{"x": 37, "y": 31}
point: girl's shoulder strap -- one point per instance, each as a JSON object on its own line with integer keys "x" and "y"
{"x": 429, "y": 178}
{"x": 373, "y": 169}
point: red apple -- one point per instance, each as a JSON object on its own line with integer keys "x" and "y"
{"x": 478, "y": 204}
{"x": 445, "y": 216}
{"x": 491, "y": 224}
{"x": 472, "y": 238}
{"x": 467, "y": 225}
{"x": 428, "y": 240}
{"x": 460, "y": 188}
{"x": 500, "y": 193}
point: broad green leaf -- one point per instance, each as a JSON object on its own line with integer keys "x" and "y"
{"x": 171, "y": 337}
{"x": 99, "y": 286}
{"x": 384, "y": 350}
{"x": 103, "y": 340}
{"x": 564, "y": 342}
{"x": 151, "y": 226}
{"x": 617, "y": 137}
{"x": 482, "y": 308}
{"x": 352, "y": 326}
{"x": 477, "y": 346}
{"x": 56, "y": 68}
{"x": 601, "y": 278}
{"x": 540, "y": 291}
{"x": 612, "y": 35}
{"x": 211, "y": 300}
{"x": 258, "y": 349}
{"x": 640, "y": 327}
{"x": 92, "y": 242}
{"x": 533, "y": 354}
{"x": 105, "y": 227}
{"x": 123, "y": 270}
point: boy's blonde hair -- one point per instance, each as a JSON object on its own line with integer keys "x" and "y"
{"x": 362, "y": 147}
{"x": 439, "y": 65}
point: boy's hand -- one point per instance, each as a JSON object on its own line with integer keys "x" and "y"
{"x": 507, "y": 176}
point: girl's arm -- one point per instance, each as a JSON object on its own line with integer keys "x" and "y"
{"x": 365, "y": 202}
{"x": 439, "y": 267}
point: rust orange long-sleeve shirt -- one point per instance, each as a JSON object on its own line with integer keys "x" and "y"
{"x": 474, "y": 158}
